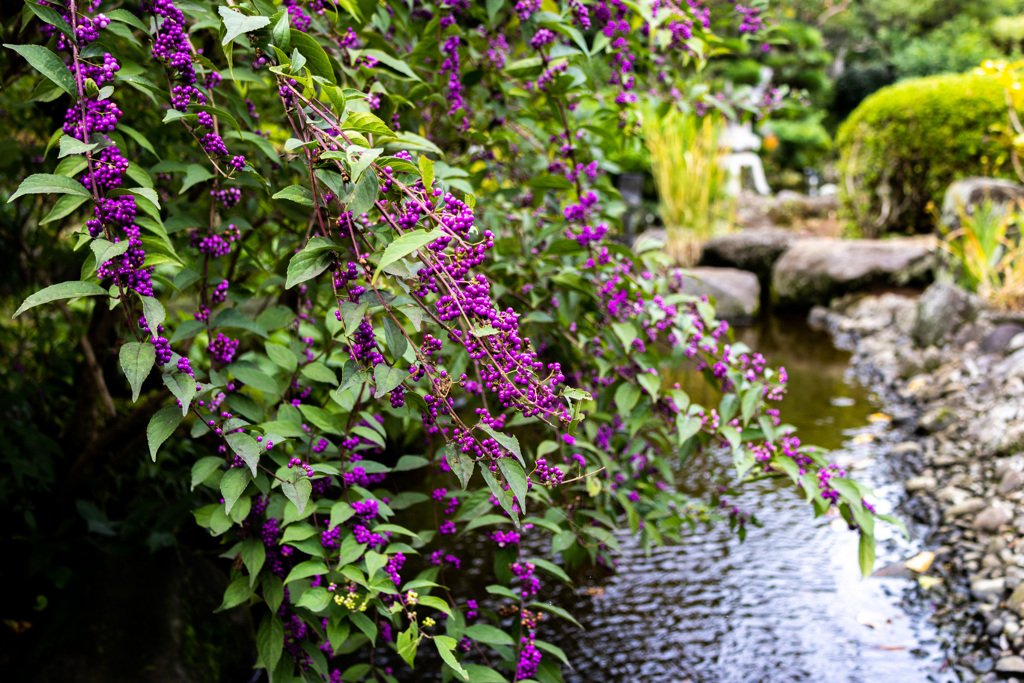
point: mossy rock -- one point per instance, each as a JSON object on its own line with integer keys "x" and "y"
{"x": 904, "y": 145}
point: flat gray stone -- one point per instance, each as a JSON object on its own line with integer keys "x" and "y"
{"x": 993, "y": 517}
{"x": 968, "y": 193}
{"x": 753, "y": 250}
{"x": 967, "y": 507}
{"x": 1010, "y": 664}
{"x": 813, "y": 271}
{"x": 737, "y": 293}
{"x": 941, "y": 310}
{"x": 988, "y": 590}
{"x": 924, "y": 483}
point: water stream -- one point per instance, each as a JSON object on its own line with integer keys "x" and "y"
{"x": 788, "y": 604}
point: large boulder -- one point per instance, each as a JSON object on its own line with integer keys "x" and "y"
{"x": 752, "y": 250}
{"x": 968, "y": 193}
{"x": 790, "y": 207}
{"x": 813, "y": 271}
{"x": 737, "y": 293}
{"x": 942, "y": 309}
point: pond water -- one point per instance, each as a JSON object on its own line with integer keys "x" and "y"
{"x": 788, "y": 604}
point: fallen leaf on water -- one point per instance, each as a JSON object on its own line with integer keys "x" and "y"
{"x": 921, "y": 561}
{"x": 863, "y": 438}
{"x": 879, "y": 417}
{"x": 916, "y": 384}
{"x": 875, "y": 620}
{"x": 892, "y": 647}
{"x": 928, "y": 582}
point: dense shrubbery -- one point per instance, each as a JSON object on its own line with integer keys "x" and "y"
{"x": 903, "y": 145}
{"x": 359, "y": 252}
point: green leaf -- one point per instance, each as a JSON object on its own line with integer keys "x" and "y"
{"x": 321, "y": 419}
{"x": 445, "y": 645}
{"x": 236, "y": 593}
{"x": 503, "y": 496}
{"x": 137, "y": 359}
{"x": 48, "y": 64}
{"x": 45, "y": 183}
{"x": 866, "y": 554}
{"x": 252, "y": 375}
{"x": 161, "y": 426}
{"x": 203, "y": 468}
{"x": 296, "y": 193}
{"x": 153, "y": 310}
{"x": 270, "y": 641}
{"x": 558, "y": 611}
{"x": 395, "y": 339}
{"x": 126, "y": 17}
{"x": 478, "y": 673}
{"x": 516, "y": 477}
{"x": 626, "y": 333}
{"x": 232, "y": 485}
{"x": 552, "y": 569}
{"x": 63, "y": 290}
{"x": 652, "y": 383}
{"x": 386, "y": 378}
{"x": 244, "y": 447}
{"x": 427, "y": 172}
{"x": 65, "y": 206}
{"x": 234, "y": 318}
{"x": 364, "y": 195}
{"x": 398, "y": 65}
{"x": 236, "y": 23}
{"x": 298, "y": 492}
{"x": 406, "y": 644}
{"x": 315, "y": 599}
{"x": 70, "y": 145}
{"x": 364, "y": 122}
{"x": 510, "y": 443}
{"x": 282, "y": 357}
{"x": 316, "y": 59}
{"x": 306, "y": 569}
{"x": 490, "y": 635}
{"x": 310, "y": 262}
{"x": 405, "y": 245}
{"x": 686, "y": 427}
{"x": 52, "y": 17}
{"x": 281, "y": 32}
{"x": 366, "y": 157}
{"x": 318, "y": 372}
{"x": 194, "y": 174}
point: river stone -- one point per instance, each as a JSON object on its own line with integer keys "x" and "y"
{"x": 1011, "y": 664}
{"x": 1011, "y": 481}
{"x": 941, "y": 310}
{"x": 993, "y": 517}
{"x": 1016, "y": 344}
{"x": 814, "y": 270}
{"x": 998, "y": 340}
{"x": 907, "y": 448}
{"x": 968, "y": 193}
{"x": 969, "y": 506}
{"x": 790, "y": 206}
{"x": 1015, "y": 602}
{"x": 923, "y": 483}
{"x": 753, "y": 250}
{"x": 988, "y": 590}
{"x": 737, "y": 293}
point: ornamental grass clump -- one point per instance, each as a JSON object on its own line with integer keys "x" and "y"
{"x": 987, "y": 254}
{"x": 687, "y": 164}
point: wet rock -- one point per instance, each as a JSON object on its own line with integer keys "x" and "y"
{"x": 995, "y": 627}
{"x": 1015, "y": 603}
{"x": 967, "y": 507}
{"x": 998, "y": 340}
{"x": 1016, "y": 344}
{"x": 752, "y": 250}
{"x": 906, "y": 448}
{"x": 1011, "y": 481}
{"x": 813, "y": 271}
{"x": 993, "y": 517}
{"x": 936, "y": 419}
{"x": 1011, "y": 366}
{"x": 737, "y": 293}
{"x": 790, "y": 206}
{"x": 966, "y": 194}
{"x": 988, "y": 590}
{"x": 942, "y": 309}
{"x": 923, "y": 483}
{"x": 1010, "y": 664}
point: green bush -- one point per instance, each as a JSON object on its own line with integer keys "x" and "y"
{"x": 955, "y": 47}
{"x": 905, "y": 144}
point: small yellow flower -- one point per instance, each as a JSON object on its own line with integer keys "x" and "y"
{"x": 428, "y": 622}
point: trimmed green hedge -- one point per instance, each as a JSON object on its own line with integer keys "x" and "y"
{"x": 906, "y": 143}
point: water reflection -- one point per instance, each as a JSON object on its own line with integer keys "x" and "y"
{"x": 786, "y": 605}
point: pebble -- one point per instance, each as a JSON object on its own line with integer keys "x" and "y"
{"x": 1011, "y": 664}
{"x": 922, "y": 483}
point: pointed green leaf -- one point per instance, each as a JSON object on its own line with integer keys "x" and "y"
{"x": 203, "y": 468}
{"x": 386, "y": 378}
{"x": 232, "y": 485}
{"x": 298, "y": 492}
{"x": 296, "y": 193}
{"x": 237, "y": 593}
{"x": 508, "y": 442}
{"x": 45, "y": 183}
{"x": 405, "y": 245}
{"x": 137, "y": 359}
{"x": 236, "y": 23}
{"x": 445, "y": 645}
{"x": 161, "y": 426}
{"x": 516, "y": 477}
{"x": 63, "y": 290}
{"x": 270, "y": 641}
{"x": 50, "y": 65}
{"x": 70, "y": 145}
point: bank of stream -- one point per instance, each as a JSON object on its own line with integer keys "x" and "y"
{"x": 788, "y": 604}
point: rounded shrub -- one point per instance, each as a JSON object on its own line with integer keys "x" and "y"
{"x": 905, "y": 144}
